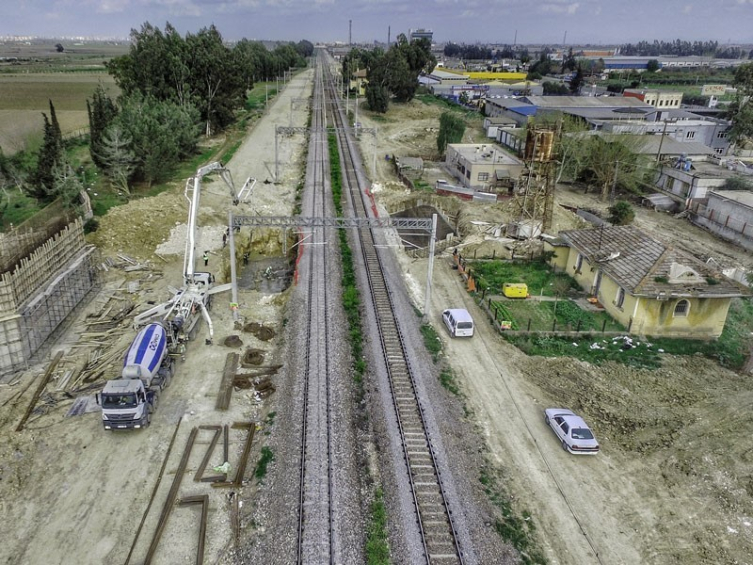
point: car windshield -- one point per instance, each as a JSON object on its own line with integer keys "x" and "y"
{"x": 119, "y": 401}
{"x": 582, "y": 433}
{"x": 465, "y": 325}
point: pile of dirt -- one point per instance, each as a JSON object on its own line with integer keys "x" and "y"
{"x": 260, "y": 331}
{"x": 139, "y": 226}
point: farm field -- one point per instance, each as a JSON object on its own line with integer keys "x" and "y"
{"x": 33, "y": 73}
{"x": 23, "y": 98}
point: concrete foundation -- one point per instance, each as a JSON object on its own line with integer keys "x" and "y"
{"x": 41, "y": 291}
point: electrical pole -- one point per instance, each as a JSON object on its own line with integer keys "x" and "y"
{"x": 614, "y": 182}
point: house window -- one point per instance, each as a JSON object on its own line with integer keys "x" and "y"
{"x": 578, "y": 263}
{"x": 468, "y": 174}
{"x": 690, "y": 135}
{"x": 483, "y": 176}
{"x": 719, "y": 150}
{"x": 620, "y": 298}
{"x": 721, "y": 134}
{"x": 682, "y": 308}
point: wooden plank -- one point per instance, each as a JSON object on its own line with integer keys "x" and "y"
{"x": 40, "y": 388}
{"x": 226, "y": 384}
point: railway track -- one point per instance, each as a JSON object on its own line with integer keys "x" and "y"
{"x": 434, "y": 519}
{"x": 316, "y": 532}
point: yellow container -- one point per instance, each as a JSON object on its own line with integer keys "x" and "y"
{"x": 515, "y": 290}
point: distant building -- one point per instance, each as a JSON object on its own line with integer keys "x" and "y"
{"x": 421, "y": 34}
{"x": 728, "y": 214}
{"x": 483, "y": 167}
{"x": 656, "y": 98}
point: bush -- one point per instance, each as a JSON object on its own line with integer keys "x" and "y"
{"x": 91, "y": 225}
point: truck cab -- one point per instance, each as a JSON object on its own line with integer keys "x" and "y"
{"x": 126, "y": 404}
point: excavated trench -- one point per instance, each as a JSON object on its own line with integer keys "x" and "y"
{"x": 411, "y": 238}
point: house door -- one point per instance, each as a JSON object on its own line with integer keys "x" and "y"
{"x": 597, "y": 284}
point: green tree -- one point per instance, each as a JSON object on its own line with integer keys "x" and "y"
{"x": 377, "y": 97}
{"x": 162, "y": 133}
{"x": 451, "y": 130}
{"x": 117, "y": 157}
{"x": 652, "y": 65}
{"x": 464, "y": 98}
{"x": 42, "y": 185}
{"x": 569, "y": 63}
{"x": 217, "y": 87}
{"x": 102, "y": 112}
{"x": 198, "y": 71}
{"x": 621, "y": 213}
{"x": 613, "y": 164}
{"x": 555, "y": 88}
{"x": 68, "y": 185}
{"x": 740, "y": 110}
{"x": 576, "y": 81}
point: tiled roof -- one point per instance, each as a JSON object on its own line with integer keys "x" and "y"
{"x": 635, "y": 261}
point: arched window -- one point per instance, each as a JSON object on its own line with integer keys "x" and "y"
{"x": 682, "y": 308}
{"x": 578, "y": 263}
{"x": 620, "y": 299}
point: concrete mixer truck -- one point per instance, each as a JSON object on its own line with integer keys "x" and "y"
{"x": 128, "y": 402}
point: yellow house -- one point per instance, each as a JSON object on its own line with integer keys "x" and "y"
{"x": 358, "y": 82}
{"x": 651, "y": 288}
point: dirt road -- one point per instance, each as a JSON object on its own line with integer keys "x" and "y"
{"x": 672, "y": 483}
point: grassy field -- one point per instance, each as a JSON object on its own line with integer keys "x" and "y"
{"x": 538, "y": 316}
{"x": 24, "y": 97}
{"x": 32, "y": 74}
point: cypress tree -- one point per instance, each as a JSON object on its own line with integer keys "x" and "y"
{"x": 42, "y": 184}
{"x": 102, "y": 111}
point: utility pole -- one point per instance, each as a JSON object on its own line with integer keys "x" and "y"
{"x": 614, "y": 182}
{"x": 432, "y": 237}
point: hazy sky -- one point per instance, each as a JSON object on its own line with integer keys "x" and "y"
{"x": 469, "y": 21}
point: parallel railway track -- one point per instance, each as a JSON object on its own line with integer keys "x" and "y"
{"x": 434, "y": 518}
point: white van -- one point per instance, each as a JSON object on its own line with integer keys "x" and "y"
{"x": 458, "y": 321}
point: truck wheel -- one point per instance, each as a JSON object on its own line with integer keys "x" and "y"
{"x": 148, "y": 419}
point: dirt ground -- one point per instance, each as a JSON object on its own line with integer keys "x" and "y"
{"x": 672, "y": 485}
{"x": 71, "y": 492}
{"x": 673, "y": 482}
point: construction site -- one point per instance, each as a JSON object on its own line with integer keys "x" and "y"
{"x": 671, "y": 484}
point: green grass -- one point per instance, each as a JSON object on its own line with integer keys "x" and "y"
{"x": 431, "y": 341}
{"x": 542, "y": 315}
{"x": 20, "y": 92}
{"x": 447, "y": 380}
{"x": 230, "y": 151}
{"x": 19, "y": 208}
{"x": 422, "y": 185}
{"x": 538, "y": 275}
{"x": 730, "y": 350}
{"x": 260, "y": 94}
{"x": 261, "y": 467}
{"x": 515, "y": 527}
{"x": 377, "y": 548}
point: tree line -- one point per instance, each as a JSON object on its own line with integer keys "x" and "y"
{"x": 682, "y": 48}
{"x": 390, "y": 74}
{"x": 173, "y": 89}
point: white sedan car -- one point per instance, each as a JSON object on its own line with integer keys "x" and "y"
{"x": 572, "y": 431}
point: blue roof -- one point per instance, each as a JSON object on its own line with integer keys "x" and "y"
{"x": 525, "y": 110}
